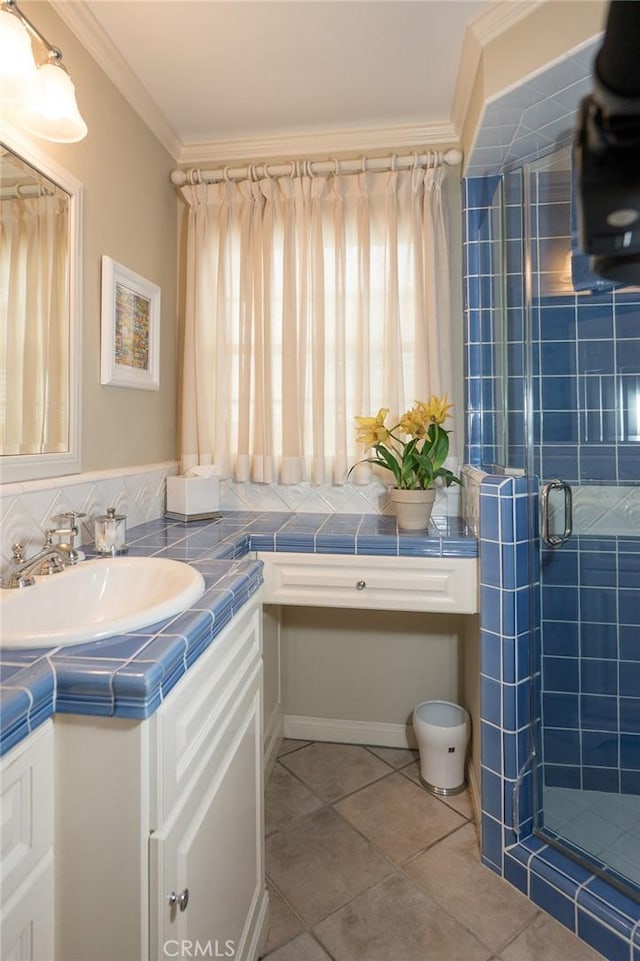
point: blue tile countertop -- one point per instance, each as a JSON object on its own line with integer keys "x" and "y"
{"x": 129, "y": 675}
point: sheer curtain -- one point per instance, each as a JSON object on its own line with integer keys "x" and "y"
{"x": 34, "y": 391}
{"x": 309, "y": 300}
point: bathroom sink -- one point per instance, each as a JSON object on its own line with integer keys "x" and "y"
{"x": 95, "y": 599}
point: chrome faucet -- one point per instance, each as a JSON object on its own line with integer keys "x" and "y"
{"x": 50, "y": 560}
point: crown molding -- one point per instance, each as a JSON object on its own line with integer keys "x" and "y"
{"x": 500, "y": 17}
{"x": 490, "y": 24}
{"x": 467, "y": 73}
{"x": 80, "y": 20}
{"x": 321, "y": 143}
{"x": 493, "y": 22}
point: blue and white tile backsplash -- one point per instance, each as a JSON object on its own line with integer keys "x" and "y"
{"x": 26, "y": 509}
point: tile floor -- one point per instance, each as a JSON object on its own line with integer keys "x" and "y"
{"x": 605, "y": 825}
{"x": 363, "y": 864}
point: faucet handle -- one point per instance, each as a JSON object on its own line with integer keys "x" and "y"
{"x": 70, "y": 516}
{"x": 17, "y": 552}
{"x": 71, "y": 519}
{"x": 71, "y": 532}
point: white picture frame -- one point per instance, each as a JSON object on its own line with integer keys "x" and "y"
{"x": 130, "y": 335}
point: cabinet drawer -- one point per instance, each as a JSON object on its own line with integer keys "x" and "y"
{"x": 372, "y": 583}
{"x": 184, "y": 724}
{"x": 26, "y": 808}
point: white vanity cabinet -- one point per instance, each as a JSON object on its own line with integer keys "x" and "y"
{"x": 372, "y": 582}
{"x": 27, "y": 846}
{"x": 161, "y": 821}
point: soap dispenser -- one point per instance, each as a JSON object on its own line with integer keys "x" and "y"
{"x": 111, "y": 533}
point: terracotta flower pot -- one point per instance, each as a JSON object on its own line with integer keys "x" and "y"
{"x": 413, "y": 508}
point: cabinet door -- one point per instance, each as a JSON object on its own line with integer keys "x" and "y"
{"x": 26, "y": 926}
{"x": 26, "y": 849}
{"x": 213, "y": 848}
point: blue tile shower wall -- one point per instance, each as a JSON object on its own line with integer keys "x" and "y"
{"x": 506, "y": 595}
{"x": 510, "y": 684}
{"x": 591, "y": 666}
{"x": 585, "y": 356}
{"x": 481, "y": 263}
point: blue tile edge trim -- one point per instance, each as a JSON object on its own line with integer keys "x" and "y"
{"x": 42, "y": 682}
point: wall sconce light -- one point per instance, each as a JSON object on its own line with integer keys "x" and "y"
{"x": 41, "y": 98}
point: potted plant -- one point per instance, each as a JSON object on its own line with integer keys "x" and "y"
{"x": 414, "y": 450}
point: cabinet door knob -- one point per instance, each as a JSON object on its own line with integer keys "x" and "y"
{"x": 181, "y": 900}
{"x": 360, "y": 585}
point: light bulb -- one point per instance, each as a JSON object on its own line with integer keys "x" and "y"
{"x": 18, "y": 71}
{"x": 53, "y": 114}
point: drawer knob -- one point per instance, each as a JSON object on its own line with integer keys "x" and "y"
{"x": 360, "y": 585}
{"x": 181, "y": 900}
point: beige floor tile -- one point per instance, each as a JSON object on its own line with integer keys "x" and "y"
{"x": 283, "y": 923}
{"x": 320, "y": 863}
{"x": 291, "y": 744}
{"x": 333, "y": 770}
{"x": 303, "y": 948}
{"x": 547, "y": 940}
{"x": 452, "y": 874}
{"x": 396, "y": 921}
{"x": 459, "y": 802}
{"x": 395, "y": 756}
{"x": 399, "y": 817}
{"x": 286, "y": 799}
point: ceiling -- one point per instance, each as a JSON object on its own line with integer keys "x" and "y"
{"x": 210, "y": 72}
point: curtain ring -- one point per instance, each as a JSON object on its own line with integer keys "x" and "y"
{"x": 225, "y": 175}
{"x": 309, "y": 168}
{"x": 336, "y": 166}
{"x": 294, "y": 170}
{"x": 363, "y": 165}
{"x": 415, "y": 160}
{"x": 393, "y": 162}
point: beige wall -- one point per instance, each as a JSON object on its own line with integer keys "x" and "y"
{"x": 549, "y": 31}
{"x": 130, "y": 215}
{"x": 371, "y": 666}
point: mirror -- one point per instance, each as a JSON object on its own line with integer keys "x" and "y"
{"x": 39, "y": 298}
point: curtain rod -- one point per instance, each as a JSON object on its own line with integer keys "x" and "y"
{"x": 433, "y": 158}
{"x": 24, "y": 191}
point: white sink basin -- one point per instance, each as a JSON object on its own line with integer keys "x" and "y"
{"x": 96, "y": 599}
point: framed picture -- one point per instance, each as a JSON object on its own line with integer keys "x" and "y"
{"x": 130, "y": 328}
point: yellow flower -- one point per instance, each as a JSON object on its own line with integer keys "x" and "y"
{"x": 415, "y": 422}
{"x": 438, "y": 408}
{"x": 371, "y": 430}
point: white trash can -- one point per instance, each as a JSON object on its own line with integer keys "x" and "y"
{"x": 442, "y": 731}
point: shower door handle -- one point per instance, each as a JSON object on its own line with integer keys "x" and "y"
{"x": 556, "y": 540}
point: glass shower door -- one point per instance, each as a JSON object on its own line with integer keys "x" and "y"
{"x": 583, "y": 390}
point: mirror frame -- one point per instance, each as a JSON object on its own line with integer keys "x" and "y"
{"x": 16, "y": 468}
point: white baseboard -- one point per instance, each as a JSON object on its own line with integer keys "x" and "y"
{"x": 376, "y": 733}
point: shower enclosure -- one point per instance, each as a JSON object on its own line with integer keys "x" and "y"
{"x": 566, "y": 395}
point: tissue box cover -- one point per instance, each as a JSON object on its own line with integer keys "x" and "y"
{"x": 192, "y": 495}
